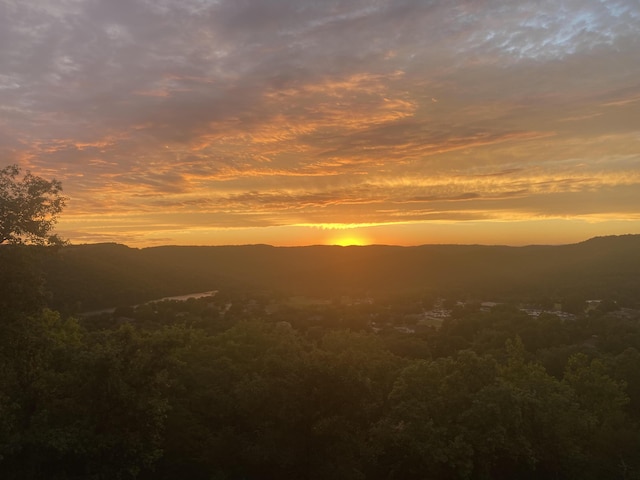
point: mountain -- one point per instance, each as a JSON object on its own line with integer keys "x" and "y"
{"x": 102, "y": 275}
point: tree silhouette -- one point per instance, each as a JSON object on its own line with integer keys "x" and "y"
{"x": 29, "y": 207}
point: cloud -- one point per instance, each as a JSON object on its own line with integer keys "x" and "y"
{"x": 304, "y": 110}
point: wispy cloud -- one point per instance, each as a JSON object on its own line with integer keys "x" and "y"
{"x": 254, "y": 114}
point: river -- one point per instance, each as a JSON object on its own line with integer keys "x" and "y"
{"x": 179, "y": 298}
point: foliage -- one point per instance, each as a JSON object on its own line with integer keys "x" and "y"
{"x": 243, "y": 384}
{"x": 28, "y": 207}
{"x": 22, "y": 281}
{"x": 80, "y": 405}
{"x": 178, "y": 391}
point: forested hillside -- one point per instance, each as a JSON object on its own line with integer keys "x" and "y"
{"x": 358, "y": 380}
{"x": 89, "y": 277}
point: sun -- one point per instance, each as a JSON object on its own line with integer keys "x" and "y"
{"x": 350, "y": 240}
{"x": 345, "y": 234}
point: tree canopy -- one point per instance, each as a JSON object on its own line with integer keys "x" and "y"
{"x": 29, "y": 206}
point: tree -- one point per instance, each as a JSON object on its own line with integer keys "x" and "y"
{"x": 81, "y": 405}
{"x": 28, "y": 207}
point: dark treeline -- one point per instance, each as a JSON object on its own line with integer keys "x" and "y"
{"x": 90, "y": 277}
{"x": 227, "y": 387}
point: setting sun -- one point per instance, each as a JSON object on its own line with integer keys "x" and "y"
{"x": 350, "y": 240}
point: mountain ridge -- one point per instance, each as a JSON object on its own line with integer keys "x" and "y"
{"x": 98, "y": 275}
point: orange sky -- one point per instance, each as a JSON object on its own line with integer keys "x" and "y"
{"x": 305, "y": 122}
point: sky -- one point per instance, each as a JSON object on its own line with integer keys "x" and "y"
{"x": 299, "y": 122}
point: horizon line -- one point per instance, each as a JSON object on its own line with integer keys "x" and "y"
{"x": 355, "y": 245}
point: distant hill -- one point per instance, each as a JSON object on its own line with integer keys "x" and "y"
{"x": 103, "y": 275}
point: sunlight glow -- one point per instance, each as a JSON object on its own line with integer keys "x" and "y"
{"x": 350, "y": 240}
